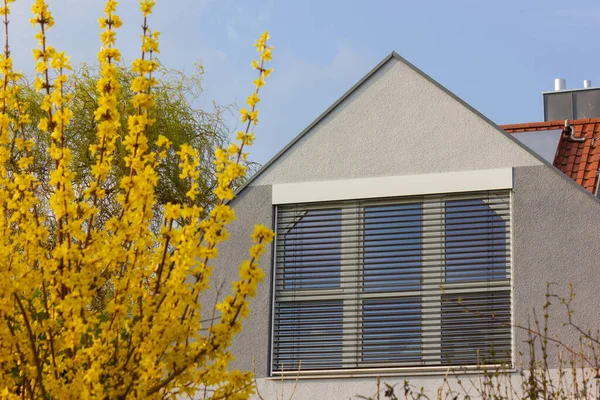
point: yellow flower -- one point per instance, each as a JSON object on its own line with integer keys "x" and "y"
{"x": 41, "y": 67}
{"x": 116, "y": 20}
{"x": 108, "y": 37}
{"x": 244, "y": 114}
{"x": 266, "y": 55}
{"x": 162, "y": 141}
{"x": 43, "y": 125}
{"x": 247, "y": 139}
{"x": 60, "y": 60}
{"x": 110, "y": 7}
{"x": 260, "y": 82}
{"x": 253, "y": 100}
{"x": 249, "y": 115}
{"x": 146, "y": 7}
{"x": 261, "y": 232}
{"x": 257, "y": 250}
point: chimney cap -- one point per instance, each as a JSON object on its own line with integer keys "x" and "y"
{"x": 587, "y": 83}
{"x": 560, "y": 84}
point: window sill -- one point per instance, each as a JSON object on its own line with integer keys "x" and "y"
{"x": 387, "y": 372}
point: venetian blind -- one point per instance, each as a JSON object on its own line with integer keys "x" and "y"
{"x": 405, "y": 282}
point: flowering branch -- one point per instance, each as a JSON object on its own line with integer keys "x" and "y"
{"x": 109, "y": 308}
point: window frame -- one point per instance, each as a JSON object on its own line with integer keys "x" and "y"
{"x": 449, "y": 288}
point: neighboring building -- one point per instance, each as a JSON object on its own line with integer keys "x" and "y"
{"x": 577, "y": 151}
{"x": 568, "y": 136}
{"x": 412, "y": 233}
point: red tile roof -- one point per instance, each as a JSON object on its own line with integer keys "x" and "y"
{"x": 579, "y": 160}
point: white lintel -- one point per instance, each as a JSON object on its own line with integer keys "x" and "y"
{"x": 393, "y": 186}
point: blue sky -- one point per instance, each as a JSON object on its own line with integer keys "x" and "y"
{"x": 498, "y": 55}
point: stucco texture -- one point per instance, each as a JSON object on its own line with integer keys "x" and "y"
{"x": 252, "y": 208}
{"x": 553, "y": 241}
{"x": 555, "y": 225}
{"x": 396, "y": 122}
{"x": 399, "y": 123}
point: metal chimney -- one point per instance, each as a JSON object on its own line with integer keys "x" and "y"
{"x": 578, "y": 103}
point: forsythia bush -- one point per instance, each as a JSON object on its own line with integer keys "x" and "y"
{"x": 97, "y": 308}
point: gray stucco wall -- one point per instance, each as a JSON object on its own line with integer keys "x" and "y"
{"x": 396, "y": 123}
{"x": 552, "y": 224}
{"x": 555, "y": 227}
{"x": 252, "y": 208}
{"x": 399, "y": 123}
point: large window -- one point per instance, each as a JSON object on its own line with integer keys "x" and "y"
{"x": 404, "y": 282}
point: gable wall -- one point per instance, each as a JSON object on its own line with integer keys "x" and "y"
{"x": 377, "y": 132}
{"x": 396, "y": 123}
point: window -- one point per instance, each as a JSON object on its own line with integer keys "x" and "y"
{"x": 388, "y": 283}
